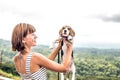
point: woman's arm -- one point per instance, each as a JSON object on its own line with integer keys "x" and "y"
{"x": 56, "y": 51}
{"x": 54, "y": 66}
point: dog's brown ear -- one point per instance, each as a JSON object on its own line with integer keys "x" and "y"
{"x": 60, "y": 32}
{"x": 72, "y": 32}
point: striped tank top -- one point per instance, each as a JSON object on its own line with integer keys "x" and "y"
{"x": 38, "y": 75}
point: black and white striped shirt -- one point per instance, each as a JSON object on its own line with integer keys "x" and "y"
{"x": 38, "y": 75}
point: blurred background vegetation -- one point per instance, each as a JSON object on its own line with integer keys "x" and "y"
{"x": 91, "y": 63}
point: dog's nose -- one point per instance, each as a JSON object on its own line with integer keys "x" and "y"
{"x": 65, "y": 31}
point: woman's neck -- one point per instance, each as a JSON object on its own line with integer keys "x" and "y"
{"x": 26, "y": 50}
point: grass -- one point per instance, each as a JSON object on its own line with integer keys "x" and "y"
{"x": 9, "y": 75}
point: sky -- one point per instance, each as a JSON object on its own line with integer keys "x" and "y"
{"x": 94, "y": 21}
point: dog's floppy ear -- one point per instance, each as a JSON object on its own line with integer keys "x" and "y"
{"x": 72, "y": 32}
{"x": 60, "y": 31}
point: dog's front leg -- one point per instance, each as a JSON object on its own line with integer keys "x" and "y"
{"x": 54, "y": 43}
{"x": 52, "y": 46}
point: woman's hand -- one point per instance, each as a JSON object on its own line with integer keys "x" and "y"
{"x": 68, "y": 44}
{"x": 60, "y": 44}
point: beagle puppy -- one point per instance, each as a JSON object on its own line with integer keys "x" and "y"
{"x": 67, "y": 33}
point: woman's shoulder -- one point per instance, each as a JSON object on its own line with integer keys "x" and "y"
{"x": 15, "y": 57}
{"x": 37, "y": 58}
{"x": 36, "y": 55}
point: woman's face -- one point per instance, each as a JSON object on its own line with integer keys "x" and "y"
{"x": 30, "y": 39}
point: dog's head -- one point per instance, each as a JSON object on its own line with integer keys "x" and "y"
{"x": 66, "y": 31}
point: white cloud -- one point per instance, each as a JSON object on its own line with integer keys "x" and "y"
{"x": 48, "y": 16}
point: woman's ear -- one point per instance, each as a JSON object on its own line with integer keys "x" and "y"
{"x": 23, "y": 41}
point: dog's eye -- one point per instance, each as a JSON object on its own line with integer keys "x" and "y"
{"x": 63, "y": 28}
{"x": 68, "y": 28}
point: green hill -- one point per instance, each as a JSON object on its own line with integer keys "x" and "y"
{"x": 91, "y": 63}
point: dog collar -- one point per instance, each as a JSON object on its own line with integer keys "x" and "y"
{"x": 65, "y": 37}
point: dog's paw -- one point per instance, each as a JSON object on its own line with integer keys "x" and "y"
{"x": 70, "y": 37}
{"x": 52, "y": 46}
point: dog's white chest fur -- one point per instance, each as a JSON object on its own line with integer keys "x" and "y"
{"x": 64, "y": 48}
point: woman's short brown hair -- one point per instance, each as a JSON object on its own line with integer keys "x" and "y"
{"x": 19, "y": 32}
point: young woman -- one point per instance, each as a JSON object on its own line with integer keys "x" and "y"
{"x": 32, "y": 65}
